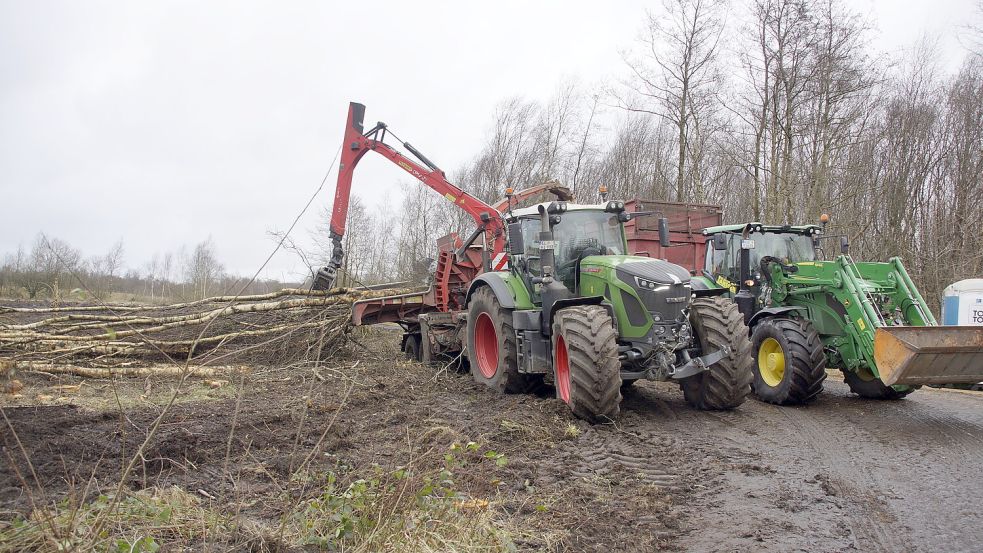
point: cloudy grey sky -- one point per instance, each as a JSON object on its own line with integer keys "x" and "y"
{"x": 165, "y": 123}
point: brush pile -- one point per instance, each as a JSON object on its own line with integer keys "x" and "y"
{"x": 279, "y": 327}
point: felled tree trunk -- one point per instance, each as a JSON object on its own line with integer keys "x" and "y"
{"x": 266, "y": 328}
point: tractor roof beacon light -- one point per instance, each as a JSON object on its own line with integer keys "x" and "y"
{"x": 823, "y": 220}
{"x": 603, "y": 191}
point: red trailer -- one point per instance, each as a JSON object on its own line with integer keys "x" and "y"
{"x": 686, "y": 223}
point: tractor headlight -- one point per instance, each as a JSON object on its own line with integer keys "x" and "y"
{"x": 614, "y": 207}
{"x": 646, "y": 284}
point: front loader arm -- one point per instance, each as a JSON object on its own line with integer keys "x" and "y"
{"x": 356, "y": 144}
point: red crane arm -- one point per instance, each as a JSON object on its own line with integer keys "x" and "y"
{"x": 356, "y": 144}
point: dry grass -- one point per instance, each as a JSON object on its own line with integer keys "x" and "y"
{"x": 401, "y": 510}
{"x": 416, "y": 507}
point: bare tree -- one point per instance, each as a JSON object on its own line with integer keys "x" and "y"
{"x": 202, "y": 269}
{"x": 676, "y": 77}
{"x": 584, "y": 149}
{"x": 114, "y": 259}
{"x": 48, "y": 267}
{"x": 839, "y": 100}
{"x": 971, "y": 35}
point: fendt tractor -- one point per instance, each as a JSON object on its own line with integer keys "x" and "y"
{"x": 549, "y": 293}
{"x": 806, "y": 313}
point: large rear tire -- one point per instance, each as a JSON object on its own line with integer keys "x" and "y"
{"x": 866, "y": 385}
{"x": 585, "y": 362}
{"x": 491, "y": 344}
{"x": 717, "y": 323}
{"x": 790, "y": 362}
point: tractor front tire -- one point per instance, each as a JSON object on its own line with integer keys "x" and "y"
{"x": 790, "y": 362}
{"x": 717, "y": 324}
{"x": 492, "y": 345}
{"x": 866, "y": 385}
{"x": 587, "y": 372}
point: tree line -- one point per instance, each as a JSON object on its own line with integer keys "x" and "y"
{"x": 777, "y": 110}
{"x": 52, "y": 269}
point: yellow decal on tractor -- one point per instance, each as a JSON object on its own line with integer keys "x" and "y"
{"x": 450, "y": 197}
{"x": 724, "y": 283}
{"x": 860, "y": 323}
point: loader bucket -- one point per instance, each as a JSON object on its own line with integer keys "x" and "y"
{"x": 913, "y": 355}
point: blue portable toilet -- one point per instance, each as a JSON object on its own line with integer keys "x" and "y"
{"x": 962, "y": 303}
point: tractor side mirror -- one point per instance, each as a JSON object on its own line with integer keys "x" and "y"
{"x": 516, "y": 244}
{"x": 663, "y": 232}
{"x": 844, "y": 245}
{"x": 719, "y": 242}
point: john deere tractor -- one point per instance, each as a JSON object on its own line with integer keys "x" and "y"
{"x": 574, "y": 309}
{"x": 806, "y": 314}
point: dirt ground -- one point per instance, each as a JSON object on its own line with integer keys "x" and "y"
{"x": 843, "y": 474}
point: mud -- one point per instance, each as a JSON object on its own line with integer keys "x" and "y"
{"x": 843, "y": 474}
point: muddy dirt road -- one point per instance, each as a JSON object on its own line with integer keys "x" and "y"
{"x": 842, "y": 474}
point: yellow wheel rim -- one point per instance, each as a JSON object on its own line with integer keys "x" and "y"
{"x": 771, "y": 362}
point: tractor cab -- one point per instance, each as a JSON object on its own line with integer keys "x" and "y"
{"x": 569, "y": 254}
{"x": 786, "y": 244}
{"x": 578, "y": 231}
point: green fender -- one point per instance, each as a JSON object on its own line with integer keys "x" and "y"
{"x": 509, "y": 289}
{"x": 704, "y": 287}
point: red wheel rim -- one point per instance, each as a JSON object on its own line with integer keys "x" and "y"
{"x": 562, "y": 369}
{"x": 486, "y": 345}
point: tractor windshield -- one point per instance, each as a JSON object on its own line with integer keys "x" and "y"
{"x": 582, "y": 233}
{"x": 587, "y": 232}
{"x": 787, "y": 246}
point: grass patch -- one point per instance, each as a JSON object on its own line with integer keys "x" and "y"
{"x": 398, "y": 510}
{"x": 403, "y": 510}
{"x": 141, "y": 522}
{"x": 99, "y": 394}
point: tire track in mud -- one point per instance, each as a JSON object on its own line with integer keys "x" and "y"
{"x": 933, "y": 460}
{"x": 899, "y": 475}
{"x": 873, "y": 522}
{"x": 608, "y": 453}
{"x": 949, "y": 423}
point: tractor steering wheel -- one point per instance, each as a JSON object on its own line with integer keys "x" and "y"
{"x": 565, "y": 271}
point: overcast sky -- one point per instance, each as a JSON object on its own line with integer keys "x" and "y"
{"x": 166, "y": 123}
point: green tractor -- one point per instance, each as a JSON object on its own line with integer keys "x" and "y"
{"x": 572, "y": 308}
{"x": 806, "y": 314}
